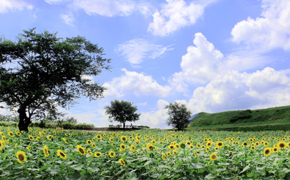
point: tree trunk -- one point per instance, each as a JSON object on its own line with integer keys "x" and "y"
{"x": 123, "y": 124}
{"x": 24, "y": 121}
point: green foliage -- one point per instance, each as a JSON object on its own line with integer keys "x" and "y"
{"x": 178, "y": 115}
{"x": 242, "y": 118}
{"x": 50, "y": 73}
{"x": 122, "y": 111}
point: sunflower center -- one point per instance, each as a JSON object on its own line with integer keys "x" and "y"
{"x": 21, "y": 157}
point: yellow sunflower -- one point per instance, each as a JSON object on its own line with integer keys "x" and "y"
{"x": 45, "y": 151}
{"x": 133, "y": 148}
{"x": 163, "y": 156}
{"x": 89, "y": 142}
{"x": 61, "y": 154}
{"x": 11, "y": 134}
{"x": 98, "y": 154}
{"x": 282, "y": 145}
{"x": 21, "y": 157}
{"x": 31, "y": 138}
{"x": 122, "y": 162}
{"x": 112, "y": 154}
{"x": 93, "y": 145}
{"x": 124, "y": 138}
{"x": 49, "y": 137}
{"x": 213, "y": 157}
{"x": 174, "y": 152}
{"x": 122, "y": 146}
{"x": 267, "y": 152}
{"x": 81, "y": 150}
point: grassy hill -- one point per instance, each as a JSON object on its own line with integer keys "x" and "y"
{"x": 270, "y": 119}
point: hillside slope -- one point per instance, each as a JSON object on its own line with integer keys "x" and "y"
{"x": 269, "y": 116}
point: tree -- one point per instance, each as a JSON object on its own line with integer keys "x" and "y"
{"x": 122, "y": 111}
{"x": 178, "y": 115}
{"x": 49, "y": 74}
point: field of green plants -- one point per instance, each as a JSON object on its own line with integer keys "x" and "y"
{"x": 146, "y": 154}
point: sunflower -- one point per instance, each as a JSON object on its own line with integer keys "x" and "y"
{"x": 40, "y": 134}
{"x": 150, "y": 146}
{"x": 89, "y": 142}
{"x": 21, "y": 157}
{"x": 163, "y": 156}
{"x": 61, "y": 154}
{"x": 124, "y": 138}
{"x": 191, "y": 146}
{"x": 133, "y": 148}
{"x": 288, "y": 144}
{"x": 45, "y": 151}
{"x": 18, "y": 133}
{"x": 98, "y": 154}
{"x": 216, "y": 148}
{"x": 64, "y": 139}
{"x": 237, "y": 143}
{"x": 31, "y": 138}
{"x": 257, "y": 143}
{"x": 98, "y": 136}
{"x": 220, "y": 144}
{"x": 111, "y": 139}
{"x": 207, "y": 149}
{"x": 282, "y": 145}
{"x": 213, "y": 157}
{"x": 81, "y": 150}
{"x": 29, "y": 148}
{"x": 11, "y": 134}
{"x": 170, "y": 147}
{"x": 93, "y": 145}
{"x": 89, "y": 151}
{"x": 122, "y": 146}
{"x": 2, "y": 143}
{"x": 174, "y": 152}
{"x": 49, "y": 137}
{"x": 112, "y": 154}
{"x": 231, "y": 152}
{"x": 153, "y": 141}
{"x": 266, "y": 143}
{"x": 188, "y": 143}
{"x": 122, "y": 162}
{"x": 168, "y": 153}
{"x": 245, "y": 144}
{"x": 208, "y": 143}
{"x": 253, "y": 147}
{"x": 267, "y": 152}
{"x": 93, "y": 139}
{"x": 177, "y": 146}
{"x": 198, "y": 145}
{"x": 197, "y": 151}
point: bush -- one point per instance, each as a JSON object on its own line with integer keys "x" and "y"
{"x": 246, "y": 114}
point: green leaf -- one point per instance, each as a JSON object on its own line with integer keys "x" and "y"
{"x": 246, "y": 168}
{"x": 210, "y": 176}
{"x": 260, "y": 173}
{"x": 83, "y": 172}
{"x": 197, "y": 165}
{"x": 163, "y": 177}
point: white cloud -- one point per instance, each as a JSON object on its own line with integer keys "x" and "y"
{"x": 68, "y": 18}
{"x": 155, "y": 119}
{"x": 175, "y": 15}
{"x": 112, "y": 8}
{"x": 6, "y": 5}
{"x": 272, "y": 30}
{"x": 53, "y": 1}
{"x": 136, "y": 50}
{"x": 135, "y": 83}
{"x": 199, "y": 65}
{"x": 235, "y": 90}
{"x": 88, "y": 78}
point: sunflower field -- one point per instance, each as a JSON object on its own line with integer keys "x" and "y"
{"x": 143, "y": 154}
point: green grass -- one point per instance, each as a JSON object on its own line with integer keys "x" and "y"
{"x": 270, "y": 118}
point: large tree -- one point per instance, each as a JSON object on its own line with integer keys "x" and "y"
{"x": 49, "y": 73}
{"x": 178, "y": 115}
{"x": 122, "y": 111}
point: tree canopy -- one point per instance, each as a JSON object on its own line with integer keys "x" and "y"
{"x": 178, "y": 115}
{"x": 122, "y": 111}
{"x": 49, "y": 73}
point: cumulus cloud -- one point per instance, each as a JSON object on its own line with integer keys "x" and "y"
{"x": 155, "y": 119}
{"x": 199, "y": 65}
{"x": 111, "y": 8}
{"x": 175, "y": 15}
{"x": 234, "y": 90}
{"x": 135, "y": 83}
{"x": 271, "y": 30}
{"x": 14, "y": 5}
{"x": 136, "y": 50}
{"x": 68, "y": 18}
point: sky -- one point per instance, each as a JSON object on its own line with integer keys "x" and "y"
{"x": 211, "y": 55}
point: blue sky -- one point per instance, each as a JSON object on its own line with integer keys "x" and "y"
{"x": 212, "y": 55}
